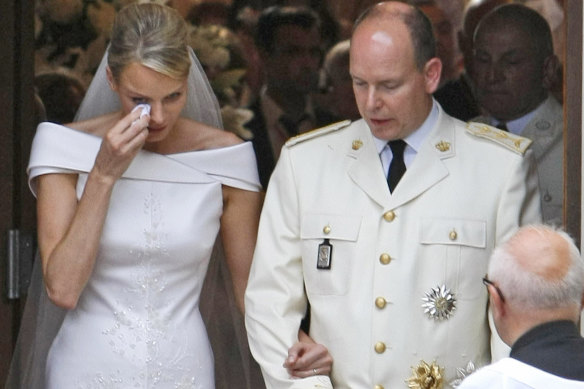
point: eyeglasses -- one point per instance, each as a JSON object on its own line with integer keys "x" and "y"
{"x": 488, "y": 282}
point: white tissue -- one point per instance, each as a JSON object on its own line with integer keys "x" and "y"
{"x": 145, "y": 111}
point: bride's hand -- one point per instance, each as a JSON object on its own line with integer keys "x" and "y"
{"x": 306, "y": 358}
{"x": 121, "y": 144}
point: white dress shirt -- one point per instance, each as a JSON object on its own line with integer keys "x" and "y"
{"x": 414, "y": 141}
{"x": 510, "y": 373}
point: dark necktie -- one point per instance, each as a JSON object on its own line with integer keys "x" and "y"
{"x": 502, "y": 126}
{"x": 397, "y": 167}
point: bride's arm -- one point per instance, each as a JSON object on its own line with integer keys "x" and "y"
{"x": 69, "y": 230}
{"x": 239, "y": 225}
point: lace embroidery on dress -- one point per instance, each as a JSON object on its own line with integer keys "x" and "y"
{"x": 134, "y": 331}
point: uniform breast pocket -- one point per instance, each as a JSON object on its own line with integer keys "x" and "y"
{"x": 329, "y": 252}
{"x": 457, "y": 250}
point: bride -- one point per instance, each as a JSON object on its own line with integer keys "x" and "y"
{"x": 130, "y": 202}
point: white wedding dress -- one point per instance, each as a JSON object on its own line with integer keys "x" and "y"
{"x": 137, "y": 323}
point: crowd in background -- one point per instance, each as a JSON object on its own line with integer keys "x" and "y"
{"x": 71, "y": 36}
{"x": 280, "y": 68}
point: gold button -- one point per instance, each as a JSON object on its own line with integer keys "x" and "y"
{"x": 385, "y": 259}
{"x": 326, "y": 229}
{"x": 453, "y": 235}
{"x": 389, "y": 216}
{"x": 379, "y": 347}
{"x": 378, "y": 387}
{"x": 380, "y": 302}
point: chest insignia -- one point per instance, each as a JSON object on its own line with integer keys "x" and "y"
{"x": 426, "y": 376}
{"x": 462, "y": 373}
{"x": 325, "y": 254}
{"x": 443, "y": 146}
{"x": 439, "y": 303}
{"x": 543, "y": 125}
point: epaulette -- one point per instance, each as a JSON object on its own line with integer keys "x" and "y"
{"x": 509, "y": 140}
{"x": 318, "y": 132}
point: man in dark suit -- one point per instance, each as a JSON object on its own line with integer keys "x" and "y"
{"x": 457, "y": 96}
{"x": 514, "y": 69}
{"x": 289, "y": 42}
{"x": 536, "y": 289}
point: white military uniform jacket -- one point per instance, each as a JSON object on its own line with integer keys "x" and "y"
{"x": 427, "y": 243}
{"x": 546, "y": 130}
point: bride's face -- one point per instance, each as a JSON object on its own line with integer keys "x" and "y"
{"x": 167, "y": 96}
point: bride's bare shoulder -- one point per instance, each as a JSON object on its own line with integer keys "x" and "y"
{"x": 206, "y": 137}
{"x": 98, "y": 125}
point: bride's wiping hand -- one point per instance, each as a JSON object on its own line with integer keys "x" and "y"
{"x": 70, "y": 228}
{"x": 307, "y": 358}
{"x": 121, "y": 144}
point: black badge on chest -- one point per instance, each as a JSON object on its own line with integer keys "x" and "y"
{"x": 325, "y": 255}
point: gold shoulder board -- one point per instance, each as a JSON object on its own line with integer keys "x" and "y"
{"x": 509, "y": 140}
{"x": 318, "y": 132}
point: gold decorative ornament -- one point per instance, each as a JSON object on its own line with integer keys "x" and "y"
{"x": 426, "y": 376}
{"x": 357, "y": 144}
{"x": 326, "y": 229}
{"x": 509, "y": 140}
{"x": 443, "y": 146}
{"x": 439, "y": 303}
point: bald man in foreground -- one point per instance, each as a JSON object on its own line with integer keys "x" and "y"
{"x": 385, "y": 225}
{"x": 536, "y": 289}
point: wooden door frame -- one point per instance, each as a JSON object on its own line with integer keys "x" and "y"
{"x": 573, "y": 119}
{"x": 7, "y": 101}
{"x": 18, "y": 122}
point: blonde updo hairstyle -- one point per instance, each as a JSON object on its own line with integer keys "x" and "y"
{"x": 153, "y": 35}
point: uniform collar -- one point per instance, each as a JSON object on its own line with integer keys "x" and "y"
{"x": 517, "y": 126}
